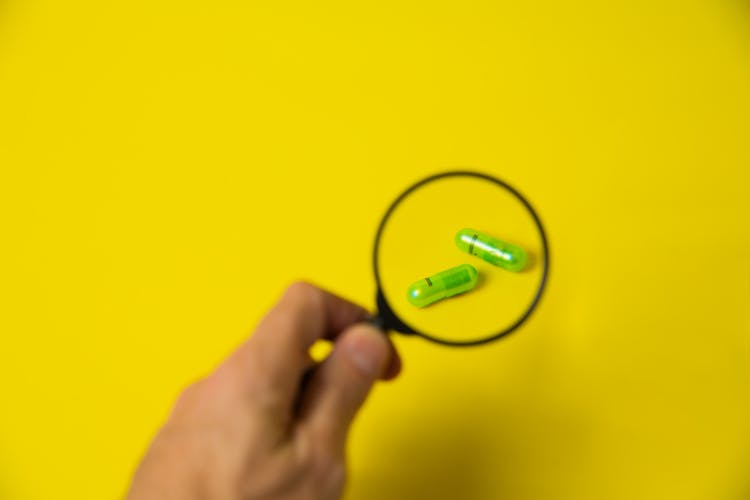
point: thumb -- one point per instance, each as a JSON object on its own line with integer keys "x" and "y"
{"x": 340, "y": 385}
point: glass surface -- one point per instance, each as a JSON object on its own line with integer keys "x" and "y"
{"x": 419, "y": 240}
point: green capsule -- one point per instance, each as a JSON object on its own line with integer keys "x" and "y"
{"x": 444, "y": 284}
{"x": 492, "y": 250}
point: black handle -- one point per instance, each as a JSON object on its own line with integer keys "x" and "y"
{"x": 386, "y": 319}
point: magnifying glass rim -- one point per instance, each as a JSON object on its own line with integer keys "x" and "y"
{"x": 383, "y": 301}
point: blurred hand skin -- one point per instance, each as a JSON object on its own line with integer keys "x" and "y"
{"x": 269, "y": 422}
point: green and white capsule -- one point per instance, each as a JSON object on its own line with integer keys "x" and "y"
{"x": 442, "y": 285}
{"x": 496, "y": 252}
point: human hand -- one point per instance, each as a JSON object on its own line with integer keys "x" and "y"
{"x": 268, "y": 423}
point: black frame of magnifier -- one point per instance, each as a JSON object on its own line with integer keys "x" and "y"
{"x": 386, "y": 319}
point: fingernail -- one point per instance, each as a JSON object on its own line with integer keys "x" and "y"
{"x": 367, "y": 355}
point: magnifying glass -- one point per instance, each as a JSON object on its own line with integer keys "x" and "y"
{"x": 460, "y": 258}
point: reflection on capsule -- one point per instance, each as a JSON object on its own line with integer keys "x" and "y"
{"x": 492, "y": 250}
{"x": 444, "y": 284}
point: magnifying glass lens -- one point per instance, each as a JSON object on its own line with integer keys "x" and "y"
{"x": 460, "y": 258}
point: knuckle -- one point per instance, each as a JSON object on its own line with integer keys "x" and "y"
{"x": 190, "y": 395}
{"x": 299, "y": 289}
{"x": 305, "y": 294}
{"x": 189, "y": 392}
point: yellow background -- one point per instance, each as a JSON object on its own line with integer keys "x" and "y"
{"x": 166, "y": 168}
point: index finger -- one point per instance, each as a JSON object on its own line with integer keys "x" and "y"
{"x": 271, "y": 363}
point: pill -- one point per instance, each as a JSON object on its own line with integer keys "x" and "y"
{"x": 444, "y": 284}
{"x": 492, "y": 250}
